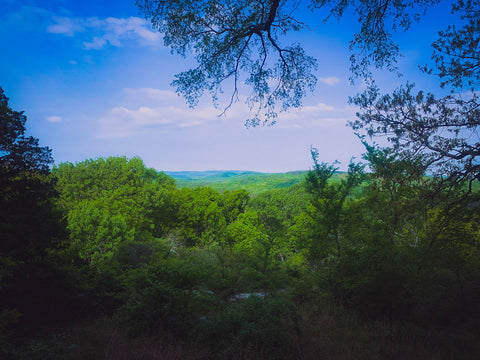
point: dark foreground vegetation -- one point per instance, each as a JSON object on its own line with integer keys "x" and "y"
{"x": 108, "y": 259}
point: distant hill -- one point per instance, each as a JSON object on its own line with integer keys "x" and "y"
{"x": 210, "y": 174}
{"x": 253, "y": 182}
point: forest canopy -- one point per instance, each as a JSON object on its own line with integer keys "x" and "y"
{"x": 230, "y": 274}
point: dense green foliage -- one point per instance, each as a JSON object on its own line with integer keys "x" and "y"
{"x": 253, "y": 182}
{"x": 108, "y": 258}
{"x": 233, "y": 275}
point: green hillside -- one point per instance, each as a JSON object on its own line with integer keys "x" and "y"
{"x": 253, "y": 182}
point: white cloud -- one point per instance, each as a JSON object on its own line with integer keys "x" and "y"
{"x": 65, "y": 26}
{"x": 143, "y": 94}
{"x": 319, "y": 115}
{"x": 121, "y": 122}
{"x": 100, "y": 32}
{"x": 320, "y": 107}
{"x": 54, "y": 119}
{"x": 96, "y": 43}
{"x": 307, "y": 111}
{"x": 93, "y": 32}
{"x": 143, "y": 110}
{"x": 330, "y": 81}
{"x": 132, "y": 27}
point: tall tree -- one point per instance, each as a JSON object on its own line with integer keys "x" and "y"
{"x": 24, "y": 187}
{"x": 328, "y": 202}
{"x": 443, "y": 130}
{"x": 28, "y": 224}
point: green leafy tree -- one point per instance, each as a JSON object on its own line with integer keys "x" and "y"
{"x": 381, "y": 231}
{"x": 278, "y": 212}
{"x": 204, "y": 214}
{"x": 97, "y": 232}
{"x": 109, "y": 202}
{"x": 277, "y": 209}
{"x": 201, "y": 219}
{"x": 249, "y": 239}
{"x": 328, "y": 203}
{"x": 246, "y": 234}
{"x": 92, "y": 178}
{"x": 399, "y": 182}
{"x": 403, "y": 238}
{"x": 233, "y": 204}
{"x": 165, "y": 294}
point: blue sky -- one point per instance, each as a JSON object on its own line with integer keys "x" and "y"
{"x": 94, "y": 80}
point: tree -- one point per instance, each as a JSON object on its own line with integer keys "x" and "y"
{"x": 401, "y": 184}
{"x": 25, "y": 189}
{"x": 93, "y": 178}
{"x": 29, "y": 285}
{"x": 18, "y": 152}
{"x": 240, "y": 40}
{"x": 456, "y": 53}
{"x": 328, "y": 202}
{"x": 445, "y": 129}
{"x": 111, "y": 202}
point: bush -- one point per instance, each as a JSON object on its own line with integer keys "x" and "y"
{"x": 253, "y": 328}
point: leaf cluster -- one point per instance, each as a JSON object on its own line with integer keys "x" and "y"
{"x": 441, "y": 130}
{"x": 229, "y": 38}
{"x": 241, "y": 41}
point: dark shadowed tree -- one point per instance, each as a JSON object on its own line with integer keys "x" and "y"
{"x": 17, "y": 151}
{"x": 443, "y": 129}
{"x": 29, "y": 286}
{"x": 244, "y": 41}
{"x": 24, "y": 187}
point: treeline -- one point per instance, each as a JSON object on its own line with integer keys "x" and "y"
{"x": 253, "y": 182}
{"x": 107, "y": 258}
{"x": 245, "y": 276}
